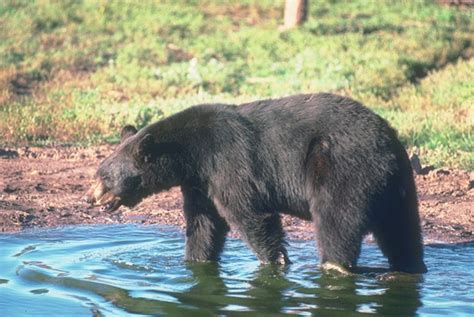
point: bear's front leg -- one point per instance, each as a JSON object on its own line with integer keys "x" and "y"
{"x": 263, "y": 232}
{"x": 205, "y": 229}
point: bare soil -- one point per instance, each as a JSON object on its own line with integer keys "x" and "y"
{"x": 42, "y": 187}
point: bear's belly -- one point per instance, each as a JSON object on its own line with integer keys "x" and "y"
{"x": 302, "y": 214}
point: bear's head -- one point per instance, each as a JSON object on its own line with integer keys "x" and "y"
{"x": 137, "y": 168}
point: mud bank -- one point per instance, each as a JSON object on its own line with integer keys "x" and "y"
{"x": 45, "y": 187}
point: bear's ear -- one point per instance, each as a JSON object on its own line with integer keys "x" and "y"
{"x": 127, "y": 131}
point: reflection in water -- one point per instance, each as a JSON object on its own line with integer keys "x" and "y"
{"x": 272, "y": 292}
{"x": 269, "y": 291}
{"x": 142, "y": 272}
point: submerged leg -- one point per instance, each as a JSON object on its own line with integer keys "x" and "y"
{"x": 205, "y": 229}
{"x": 339, "y": 238}
{"x": 397, "y": 225}
{"x": 263, "y": 232}
{"x": 399, "y": 238}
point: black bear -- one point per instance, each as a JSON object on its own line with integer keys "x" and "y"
{"x": 320, "y": 157}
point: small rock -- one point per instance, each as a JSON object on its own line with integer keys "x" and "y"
{"x": 418, "y": 168}
{"x": 442, "y": 172}
{"x": 40, "y": 187}
{"x": 457, "y": 227}
{"x": 10, "y": 189}
{"x": 427, "y": 169}
{"x": 6, "y": 153}
{"x": 28, "y": 218}
{"x": 416, "y": 164}
{"x": 426, "y": 223}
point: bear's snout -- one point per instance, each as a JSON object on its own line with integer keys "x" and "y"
{"x": 99, "y": 195}
{"x": 96, "y": 191}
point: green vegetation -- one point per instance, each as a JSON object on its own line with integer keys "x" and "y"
{"x": 76, "y": 71}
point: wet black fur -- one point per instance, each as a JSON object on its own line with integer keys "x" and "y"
{"x": 319, "y": 157}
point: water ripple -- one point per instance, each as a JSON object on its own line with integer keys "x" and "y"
{"x": 126, "y": 269}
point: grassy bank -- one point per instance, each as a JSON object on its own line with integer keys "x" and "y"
{"x": 76, "y": 71}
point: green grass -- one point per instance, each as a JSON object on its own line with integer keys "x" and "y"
{"x": 76, "y": 71}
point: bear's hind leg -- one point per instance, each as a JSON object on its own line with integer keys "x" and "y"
{"x": 396, "y": 226}
{"x": 265, "y": 235}
{"x": 206, "y": 230}
{"x": 399, "y": 238}
{"x": 339, "y": 234}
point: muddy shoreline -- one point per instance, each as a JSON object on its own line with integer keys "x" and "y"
{"x": 44, "y": 187}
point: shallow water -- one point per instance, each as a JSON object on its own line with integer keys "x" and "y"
{"x": 125, "y": 269}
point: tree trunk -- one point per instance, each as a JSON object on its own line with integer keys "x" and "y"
{"x": 295, "y": 13}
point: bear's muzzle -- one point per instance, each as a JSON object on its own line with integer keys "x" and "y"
{"x": 99, "y": 196}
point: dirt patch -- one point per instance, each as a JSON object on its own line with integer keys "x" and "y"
{"x": 45, "y": 187}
